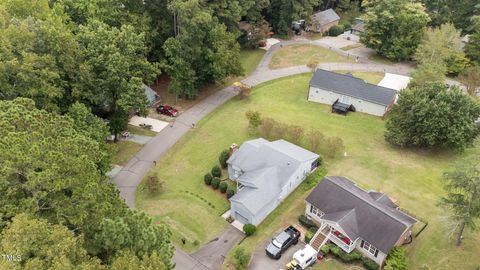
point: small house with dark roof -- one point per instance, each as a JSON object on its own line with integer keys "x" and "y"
{"x": 346, "y": 91}
{"x": 266, "y": 173}
{"x": 353, "y": 218}
{"x": 322, "y": 21}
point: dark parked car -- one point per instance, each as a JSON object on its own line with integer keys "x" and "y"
{"x": 167, "y": 110}
{"x": 282, "y": 242}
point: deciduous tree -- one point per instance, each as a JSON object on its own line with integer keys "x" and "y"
{"x": 472, "y": 48}
{"x": 394, "y": 28}
{"x": 433, "y": 115}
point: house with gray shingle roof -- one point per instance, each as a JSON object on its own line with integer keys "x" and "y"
{"x": 322, "y": 21}
{"x": 353, "y": 218}
{"x": 266, "y": 173}
{"x": 332, "y": 88}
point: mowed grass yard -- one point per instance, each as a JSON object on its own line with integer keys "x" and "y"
{"x": 297, "y": 55}
{"x": 411, "y": 177}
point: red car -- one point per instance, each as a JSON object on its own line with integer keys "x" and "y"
{"x": 167, "y": 110}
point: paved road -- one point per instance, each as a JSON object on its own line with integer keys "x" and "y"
{"x": 210, "y": 256}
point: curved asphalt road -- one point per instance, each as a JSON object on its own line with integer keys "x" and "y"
{"x": 211, "y": 256}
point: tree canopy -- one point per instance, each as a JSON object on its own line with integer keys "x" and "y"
{"x": 394, "y": 28}
{"x": 433, "y": 115}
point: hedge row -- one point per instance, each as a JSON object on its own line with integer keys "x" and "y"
{"x": 345, "y": 257}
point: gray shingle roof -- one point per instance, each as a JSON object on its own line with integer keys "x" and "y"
{"x": 325, "y": 17}
{"x": 372, "y": 218}
{"x": 267, "y": 167}
{"x": 350, "y": 86}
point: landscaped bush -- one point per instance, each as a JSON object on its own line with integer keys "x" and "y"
{"x": 223, "y": 187}
{"x": 249, "y": 229}
{"x": 216, "y": 171}
{"x": 230, "y": 192}
{"x": 314, "y": 178}
{"x": 224, "y": 155}
{"x": 308, "y": 236}
{"x": 369, "y": 264}
{"x": 307, "y": 223}
{"x": 241, "y": 258}
{"x": 396, "y": 260}
{"x": 215, "y": 182}
{"x": 208, "y": 178}
{"x": 325, "y": 249}
{"x": 335, "y": 30}
{"x": 346, "y": 26}
{"x": 349, "y": 257}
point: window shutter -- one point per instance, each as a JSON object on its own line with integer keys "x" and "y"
{"x": 361, "y": 244}
{"x": 376, "y": 253}
{"x": 311, "y": 208}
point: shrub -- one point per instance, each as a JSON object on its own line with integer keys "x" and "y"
{"x": 396, "y": 260}
{"x": 312, "y": 64}
{"x": 224, "y": 155}
{"x": 223, "y": 187}
{"x": 315, "y": 139}
{"x": 254, "y": 119}
{"x": 349, "y": 257}
{"x": 215, "y": 182}
{"x": 266, "y": 128}
{"x": 335, "y": 250}
{"x": 230, "y": 193}
{"x": 279, "y": 130}
{"x": 249, "y": 229}
{"x": 334, "y": 146}
{"x": 308, "y": 236}
{"x": 294, "y": 134}
{"x": 314, "y": 178}
{"x": 335, "y": 30}
{"x": 245, "y": 91}
{"x": 208, "y": 178}
{"x": 305, "y": 222}
{"x": 346, "y": 26}
{"x": 216, "y": 171}
{"x": 325, "y": 249}
{"x": 369, "y": 264}
{"x": 154, "y": 185}
{"x": 241, "y": 258}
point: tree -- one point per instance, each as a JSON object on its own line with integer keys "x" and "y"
{"x": 438, "y": 53}
{"x": 472, "y": 48}
{"x": 281, "y": 13}
{"x": 39, "y": 56}
{"x": 459, "y": 12}
{"x": 42, "y": 245}
{"x": 201, "y": 52}
{"x": 254, "y": 119}
{"x": 394, "y": 28}
{"x": 433, "y": 116}
{"x": 116, "y": 59}
{"x": 51, "y": 170}
{"x": 315, "y": 139}
{"x": 126, "y": 260}
{"x": 134, "y": 232}
{"x": 396, "y": 259}
{"x": 471, "y": 79}
{"x": 462, "y": 199}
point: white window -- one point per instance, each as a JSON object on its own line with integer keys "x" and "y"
{"x": 368, "y": 247}
{"x": 316, "y": 211}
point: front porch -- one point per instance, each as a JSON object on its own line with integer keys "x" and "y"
{"x": 327, "y": 232}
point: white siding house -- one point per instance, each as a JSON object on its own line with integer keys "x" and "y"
{"x": 328, "y": 87}
{"x": 266, "y": 173}
{"x": 352, "y": 218}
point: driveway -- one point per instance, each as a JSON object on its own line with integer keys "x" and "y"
{"x": 210, "y": 256}
{"x": 260, "y": 260}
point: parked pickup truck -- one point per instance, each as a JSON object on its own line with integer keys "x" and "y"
{"x": 282, "y": 242}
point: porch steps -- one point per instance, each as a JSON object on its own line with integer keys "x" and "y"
{"x": 317, "y": 242}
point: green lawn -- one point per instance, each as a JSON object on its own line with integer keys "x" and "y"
{"x": 349, "y": 47}
{"x": 380, "y": 59}
{"x": 124, "y": 151}
{"x": 411, "y": 177}
{"x": 296, "y": 55}
{"x": 250, "y": 59}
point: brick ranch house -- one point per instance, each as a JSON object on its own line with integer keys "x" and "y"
{"x": 352, "y": 218}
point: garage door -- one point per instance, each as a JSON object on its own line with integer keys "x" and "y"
{"x": 241, "y": 218}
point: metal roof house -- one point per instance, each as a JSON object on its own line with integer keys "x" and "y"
{"x": 331, "y": 88}
{"x": 266, "y": 173}
{"x": 323, "y": 20}
{"x": 353, "y": 218}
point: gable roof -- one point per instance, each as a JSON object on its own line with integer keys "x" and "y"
{"x": 371, "y": 216}
{"x": 350, "y": 86}
{"x": 325, "y": 17}
{"x": 267, "y": 167}
{"x": 150, "y": 93}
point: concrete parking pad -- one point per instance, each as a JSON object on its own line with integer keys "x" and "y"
{"x": 260, "y": 260}
{"x": 157, "y": 125}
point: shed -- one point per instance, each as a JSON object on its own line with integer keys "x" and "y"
{"x": 322, "y": 21}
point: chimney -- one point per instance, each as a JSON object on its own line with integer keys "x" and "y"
{"x": 233, "y": 148}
